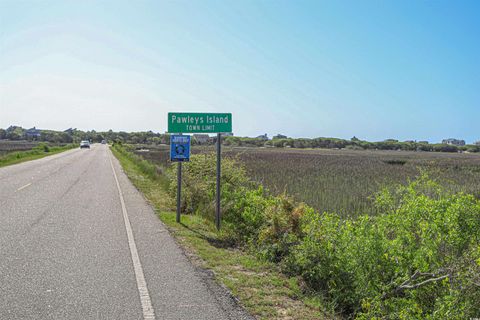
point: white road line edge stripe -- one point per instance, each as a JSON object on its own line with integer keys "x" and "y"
{"x": 23, "y": 187}
{"x": 148, "y": 312}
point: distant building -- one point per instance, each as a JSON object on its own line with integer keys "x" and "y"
{"x": 454, "y": 142}
{"x": 423, "y": 142}
{"x": 33, "y": 133}
{"x": 477, "y": 143}
{"x": 263, "y": 137}
{"x": 201, "y": 138}
{"x": 227, "y": 134}
{"x": 280, "y": 136}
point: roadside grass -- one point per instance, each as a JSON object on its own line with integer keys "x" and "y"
{"x": 260, "y": 286}
{"x": 38, "y": 152}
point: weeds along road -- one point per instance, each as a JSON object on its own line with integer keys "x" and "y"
{"x": 78, "y": 241}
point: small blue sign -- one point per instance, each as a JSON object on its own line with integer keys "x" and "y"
{"x": 179, "y": 148}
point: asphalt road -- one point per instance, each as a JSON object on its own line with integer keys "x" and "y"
{"x": 78, "y": 241}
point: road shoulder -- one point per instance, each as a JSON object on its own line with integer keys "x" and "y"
{"x": 178, "y": 288}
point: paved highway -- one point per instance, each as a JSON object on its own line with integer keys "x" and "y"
{"x": 78, "y": 241}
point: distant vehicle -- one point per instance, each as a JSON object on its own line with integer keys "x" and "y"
{"x": 104, "y": 142}
{"x": 85, "y": 144}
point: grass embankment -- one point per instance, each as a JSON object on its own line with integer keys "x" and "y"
{"x": 40, "y": 151}
{"x": 259, "y": 285}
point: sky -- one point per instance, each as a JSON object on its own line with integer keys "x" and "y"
{"x": 408, "y": 70}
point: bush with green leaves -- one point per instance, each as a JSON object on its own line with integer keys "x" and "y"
{"x": 242, "y": 203}
{"x": 42, "y": 147}
{"x": 418, "y": 259}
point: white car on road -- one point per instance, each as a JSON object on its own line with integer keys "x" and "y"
{"x": 85, "y": 144}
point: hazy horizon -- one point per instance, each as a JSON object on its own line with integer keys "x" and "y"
{"x": 375, "y": 70}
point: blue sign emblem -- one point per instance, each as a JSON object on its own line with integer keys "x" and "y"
{"x": 179, "y": 148}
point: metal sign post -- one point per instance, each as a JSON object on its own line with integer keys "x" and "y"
{"x": 179, "y": 190}
{"x": 219, "y": 168}
{"x": 179, "y": 152}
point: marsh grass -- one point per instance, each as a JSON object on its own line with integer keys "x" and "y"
{"x": 343, "y": 181}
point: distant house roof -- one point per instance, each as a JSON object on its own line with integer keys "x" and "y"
{"x": 263, "y": 137}
{"x": 33, "y": 132}
{"x": 202, "y": 138}
{"x": 455, "y": 142}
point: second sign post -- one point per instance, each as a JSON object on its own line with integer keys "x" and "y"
{"x": 179, "y": 152}
{"x": 180, "y": 123}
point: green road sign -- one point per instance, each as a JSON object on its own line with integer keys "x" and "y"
{"x": 179, "y": 122}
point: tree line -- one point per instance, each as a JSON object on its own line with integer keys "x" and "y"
{"x": 75, "y": 136}
{"x": 150, "y": 137}
{"x": 352, "y": 144}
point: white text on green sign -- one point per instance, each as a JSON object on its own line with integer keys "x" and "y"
{"x": 199, "y": 122}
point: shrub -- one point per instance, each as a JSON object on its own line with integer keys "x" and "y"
{"x": 281, "y": 229}
{"x": 415, "y": 260}
{"x": 249, "y": 214}
{"x": 244, "y": 219}
{"x": 199, "y": 185}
